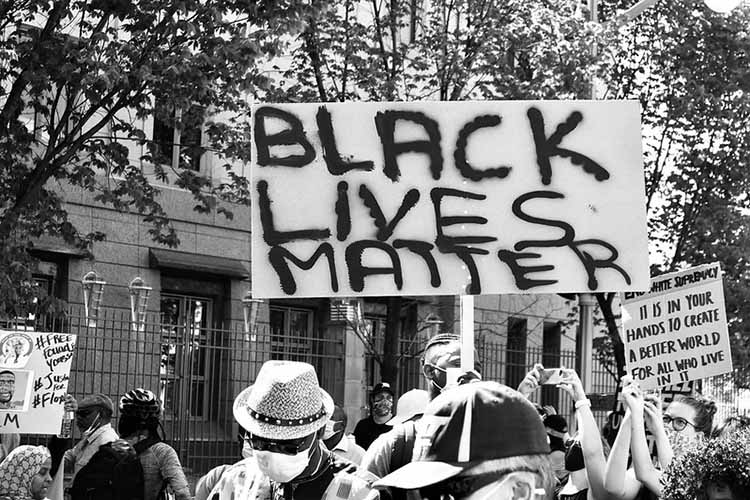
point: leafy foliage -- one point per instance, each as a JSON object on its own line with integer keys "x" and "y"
{"x": 688, "y": 67}
{"x": 77, "y": 81}
{"x": 724, "y": 461}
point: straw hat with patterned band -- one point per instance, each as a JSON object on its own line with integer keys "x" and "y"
{"x": 285, "y": 402}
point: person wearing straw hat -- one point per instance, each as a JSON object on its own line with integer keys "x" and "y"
{"x": 283, "y": 416}
{"x": 478, "y": 441}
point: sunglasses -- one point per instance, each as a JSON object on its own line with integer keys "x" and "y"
{"x": 285, "y": 447}
{"x": 83, "y": 412}
{"x": 678, "y": 423}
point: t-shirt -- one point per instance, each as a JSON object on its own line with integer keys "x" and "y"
{"x": 367, "y": 431}
{"x": 390, "y": 452}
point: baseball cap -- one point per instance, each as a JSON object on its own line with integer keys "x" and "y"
{"x": 100, "y": 400}
{"x": 382, "y": 387}
{"x": 410, "y": 404}
{"x": 466, "y": 426}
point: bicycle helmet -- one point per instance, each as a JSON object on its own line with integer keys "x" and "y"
{"x": 140, "y": 403}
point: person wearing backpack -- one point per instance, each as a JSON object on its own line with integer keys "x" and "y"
{"x": 140, "y": 414}
{"x": 93, "y": 416}
{"x": 114, "y": 472}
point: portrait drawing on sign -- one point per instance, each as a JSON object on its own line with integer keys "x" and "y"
{"x": 15, "y": 389}
{"x": 15, "y": 350}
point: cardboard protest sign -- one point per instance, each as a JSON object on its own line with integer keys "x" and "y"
{"x": 34, "y": 374}
{"x": 677, "y": 332}
{"x": 430, "y": 198}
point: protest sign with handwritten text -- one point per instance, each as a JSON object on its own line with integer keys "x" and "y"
{"x": 677, "y": 332}
{"x": 34, "y": 375}
{"x": 430, "y": 198}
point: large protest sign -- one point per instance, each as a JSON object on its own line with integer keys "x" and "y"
{"x": 677, "y": 332}
{"x": 34, "y": 374}
{"x": 433, "y": 198}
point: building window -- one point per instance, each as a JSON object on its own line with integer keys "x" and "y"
{"x": 552, "y": 336}
{"x": 291, "y": 333}
{"x": 186, "y": 354}
{"x": 515, "y": 352}
{"x": 178, "y": 147}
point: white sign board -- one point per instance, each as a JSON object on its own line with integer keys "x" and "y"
{"x": 34, "y": 374}
{"x": 443, "y": 198}
{"x": 677, "y": 332}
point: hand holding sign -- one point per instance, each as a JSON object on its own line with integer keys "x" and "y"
{"x": 633, "y": 398}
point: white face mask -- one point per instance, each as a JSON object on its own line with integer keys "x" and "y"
{"x": 280, "y": 467}
{"x": 330, "y": 431}
{"x": 247, "y": 450}
{"x": 93, "y": 427}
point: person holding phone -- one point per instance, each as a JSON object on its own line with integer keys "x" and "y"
{"x": 584, "y": 458}
{"x": 686, "y": 420}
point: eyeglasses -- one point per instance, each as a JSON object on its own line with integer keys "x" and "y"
{"x": 678, "y": 423}
{"x": 285, "y": 446}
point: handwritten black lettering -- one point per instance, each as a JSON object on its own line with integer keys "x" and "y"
{"x": 278, "y": 257}
{"x": 385, "y": 123}
{"x": 459, "y": 155}
{"x": 385, "y": 228}
{"x": 423, "y": 249}
{"x": 294, "y": 135}
{"x": 343, "y": 215}
{"x": 274, "y": 237}
{"x": 358, "y": 272}
{"x": 548, "y": 147}
{"x": 336, "y": 165}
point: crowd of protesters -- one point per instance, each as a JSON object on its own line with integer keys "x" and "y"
{"x": 462, "y": 438}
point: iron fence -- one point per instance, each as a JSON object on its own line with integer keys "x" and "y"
{"x": 731, "y": 392}
{"x": 498, "y": 363}
{"x": 196, "y": 372}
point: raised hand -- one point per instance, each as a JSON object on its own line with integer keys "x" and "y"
{"x": 532, "y": 380}
{"x": 572, "y": 385}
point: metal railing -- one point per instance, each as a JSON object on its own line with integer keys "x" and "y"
{"x": 196, "y": 372}
{"x": 500, "y": 364}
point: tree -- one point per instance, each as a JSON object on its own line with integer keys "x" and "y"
{"x": 76, "y": 79}
{"x": 440, "y": 50}
{"x": 688, "y": 67}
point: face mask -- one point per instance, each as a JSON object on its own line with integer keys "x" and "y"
{"x": 88, "y": 432}
{"x": 432, "y": 380}
{"x": 280, "y": 467}
{"x": 680, "y": 441}
{"x": 330, "y": 430}
{"x": 247, "y": 450}
{"x": 383, "y": 407}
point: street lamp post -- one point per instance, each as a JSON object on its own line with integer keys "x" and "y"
{"x": 93, "y": 289}
{"x": 139, "y": 293}
{"x": 250, "y": 308}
